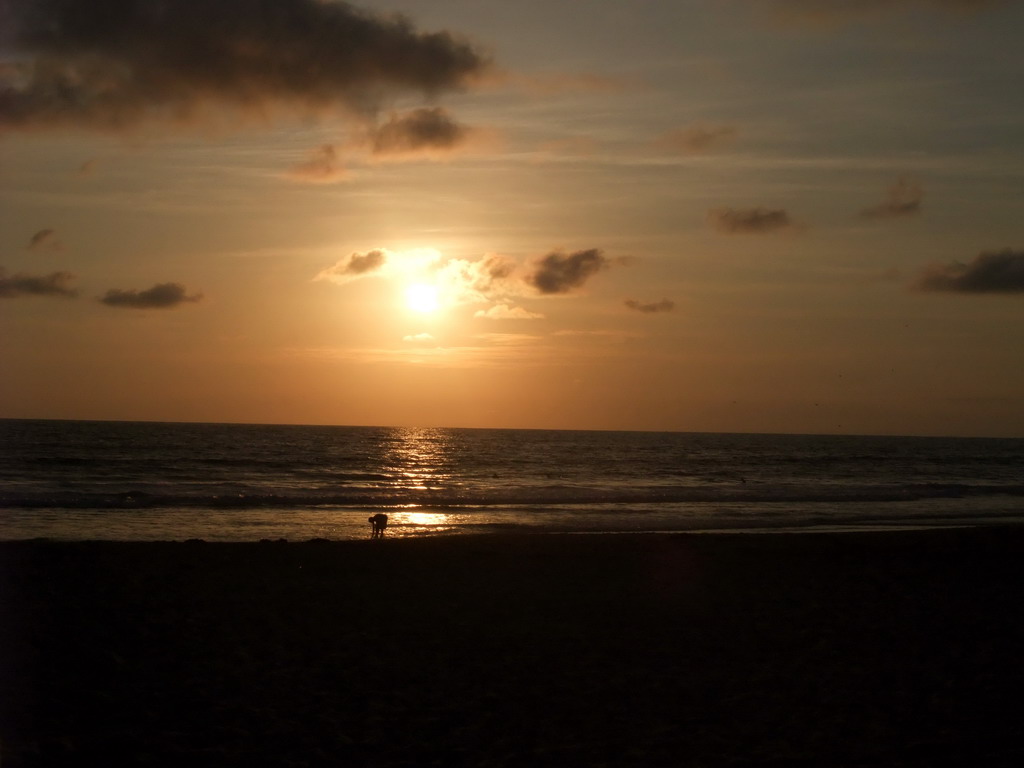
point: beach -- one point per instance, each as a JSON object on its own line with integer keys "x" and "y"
{"x": 898, "y": 648}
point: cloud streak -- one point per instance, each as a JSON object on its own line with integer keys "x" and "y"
{"x": 322, "y": 167}
{"x": 902, "y": 199}
{"x": 44, "y": 238}
{"x": 665, "y": 305}
{"x": 54, "y": 284}
{"x": 115, "y": 64}
{"x": 160, "y": 296}
{"x": 696, "y": 139}
{"x": 507, "y": 312}
{"x": 750, "y": 221}
{"x": 988, "y": 272}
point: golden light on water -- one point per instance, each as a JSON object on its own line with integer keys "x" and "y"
{"x": 427, "y": 519}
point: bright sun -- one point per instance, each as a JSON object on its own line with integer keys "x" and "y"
{"x": 421, "y": 297}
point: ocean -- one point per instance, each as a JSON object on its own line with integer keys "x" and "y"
{"x": 85, "y": 480}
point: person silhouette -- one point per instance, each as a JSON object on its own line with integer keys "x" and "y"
{"x": 379, "y": 523}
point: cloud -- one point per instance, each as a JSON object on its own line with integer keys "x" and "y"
{"x": 696, "y": 139}
{"x": 355, "y": 266}
{"x": 425, "y": 131}
{"x": 560, "y": 273}
{"x": 739, "y": 221}
{"x": 45, "y": 239}
{"x": 507, "y": 312}
{"x": 831, "y": 12}
{"x": 491, "y": 278}
{"x": 53, "y": 284}
{"x": 988, "y": 272}
{"x": 665, "y": 305}
{"x": 424, "y": 339}
{"x": 902, "y": 199}
{"x": 160, "y": 296}
{"x": 118, "y": 63}
{"x": 322, "y": 167}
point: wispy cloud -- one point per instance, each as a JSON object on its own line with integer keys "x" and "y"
{"x": 45, "y": 239}
{"x": 741, "y": 221}
{"x": 323, "y": 166}
{"x": 665, "y": 305}
{"x": 160, "y": 296}
{"x": 53, "y": 284}
{"x": 902, "y": 199}
{"x": 427, "y": 133}
{"x": 128, "y": 61}
{"x": 469, "y": 281}
{"x": 507, "y": 312}
{"x": 696, "y": 139}
{"x": 423, "y": 339}
{"x": 988, "y": 272}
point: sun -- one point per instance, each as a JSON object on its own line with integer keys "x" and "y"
{"x": 422, "y": 297}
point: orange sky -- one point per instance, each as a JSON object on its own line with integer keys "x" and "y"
{"x": 789, "y": 216}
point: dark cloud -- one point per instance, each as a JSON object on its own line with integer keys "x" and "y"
{"x": 902, "y": 199}
{"x": 367, "y": 262}
{"x": 560, "y": 273}
{"x": 665, "y": 305}
{"x": 160, "y": 296}
{"x": 421, "y": 131}
{"x": 54, "y": 284}
{"x": 735, "y": 221}
{"x": 988, "y": 272}
{"x": 44, "y": 238}
{"x": 114, "y": 63}
{"x": 322, "y": 167}
{"x": 696, "y": 139}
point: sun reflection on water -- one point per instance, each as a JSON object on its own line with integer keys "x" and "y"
{"x": 417, "y": 522}
{"x": 419, "y": 460}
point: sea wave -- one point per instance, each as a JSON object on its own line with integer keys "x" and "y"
{"x": 522, "y": 497}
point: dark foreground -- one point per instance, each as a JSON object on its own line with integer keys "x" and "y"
{"x": 889, "y": 649}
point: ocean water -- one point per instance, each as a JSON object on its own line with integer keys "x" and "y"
{"x": 231, "y": 482}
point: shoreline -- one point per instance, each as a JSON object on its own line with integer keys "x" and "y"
{"x": 861, "y": 648}
{"x": 350, "y": 525}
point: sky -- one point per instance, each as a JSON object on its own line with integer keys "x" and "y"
{"x": 800, "y": 216}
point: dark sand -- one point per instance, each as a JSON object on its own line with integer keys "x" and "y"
{"x": 880, "y": 649}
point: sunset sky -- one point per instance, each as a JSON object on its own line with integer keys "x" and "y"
{"x": 706, "y": 215}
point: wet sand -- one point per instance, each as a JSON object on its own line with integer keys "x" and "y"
{"x": 867, "y": 649}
